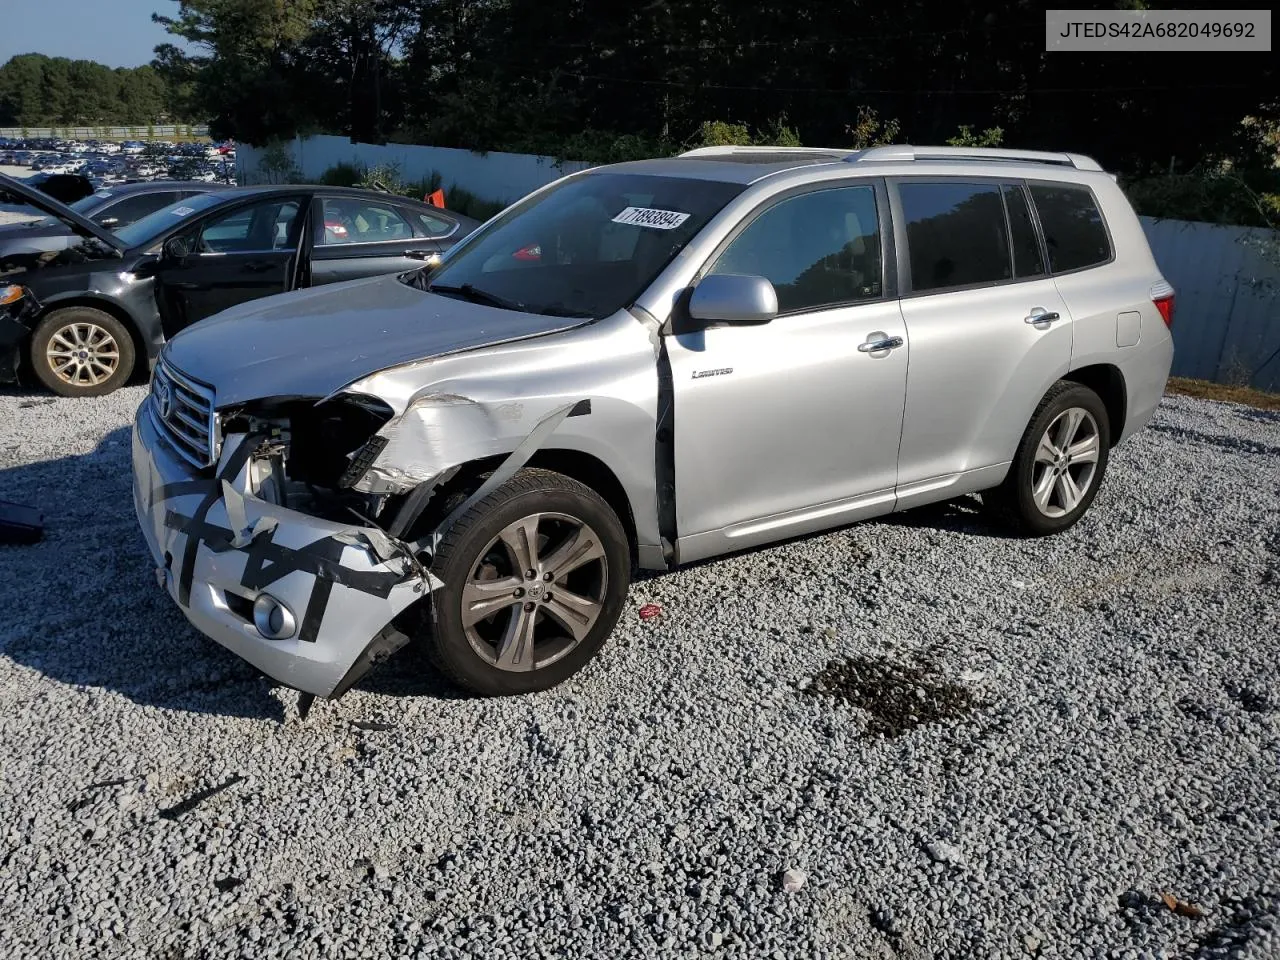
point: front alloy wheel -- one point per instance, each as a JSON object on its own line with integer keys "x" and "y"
{"x": 81, "y": 352}
{"x": 536, "y": 593}
{"x": 534, "y": 576}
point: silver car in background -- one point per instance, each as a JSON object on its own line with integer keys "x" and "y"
{"x": 643, "y": 365}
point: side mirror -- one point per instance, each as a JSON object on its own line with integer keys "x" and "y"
{"x": 178, "y": 248}
{"x": 730, "y": 298}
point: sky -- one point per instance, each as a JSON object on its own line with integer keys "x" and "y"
{"x": 118, "y": 33}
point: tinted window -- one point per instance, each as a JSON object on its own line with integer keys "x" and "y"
{"x": 129, "y": 209}
{"x": 956, "y": 234}
{"x": 1072, "y": 224}
{"x": 352, "y": 220}
{"x": 817, "y": 249}
{"x": 588, "y": 246}
{"x": 267, "y": 225}
{"x": 1027, "y": 259}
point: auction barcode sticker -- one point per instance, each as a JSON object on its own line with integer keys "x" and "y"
{"x": 648, "y": 217}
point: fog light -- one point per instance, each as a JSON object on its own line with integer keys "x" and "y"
{"x": 272, "y": 618}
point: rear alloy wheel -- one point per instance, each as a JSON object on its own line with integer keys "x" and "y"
{"x": 1059, "y": 465}
{"x": 535, "y": 576}
{"x": 81, "y": 352}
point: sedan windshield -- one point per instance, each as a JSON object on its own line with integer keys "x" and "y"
{"x": 586, "y": 248}
{"x": 149, "y": 228}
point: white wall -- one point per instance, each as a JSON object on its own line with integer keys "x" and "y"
{"x": 490, "y": 176}
{"x": 1226, "y": 318}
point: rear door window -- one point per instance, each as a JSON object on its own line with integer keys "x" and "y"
{"x": 819, "y": 249}
{"x": 355, "y": 220}
{"x": 1073, "y": 227}
{"x": 957, "y": 235}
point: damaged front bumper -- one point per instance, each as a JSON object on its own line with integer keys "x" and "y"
{"x": 219, "y": 546}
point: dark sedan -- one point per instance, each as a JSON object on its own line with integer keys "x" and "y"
{"x": 112, "y": 298}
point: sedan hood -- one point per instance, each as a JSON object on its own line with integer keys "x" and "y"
{"x": 313, "y": 342}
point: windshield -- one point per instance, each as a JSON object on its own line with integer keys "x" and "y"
{"x": 586, "y": 248}
{"x": 144, "y": 231}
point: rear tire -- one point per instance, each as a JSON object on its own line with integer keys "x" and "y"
{"x": 1059, "y": 465}
{"x": 81, "y": 352}
{"x": 535, "y": 576}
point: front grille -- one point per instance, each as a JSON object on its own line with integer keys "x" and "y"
{"x": 182, "y": 410}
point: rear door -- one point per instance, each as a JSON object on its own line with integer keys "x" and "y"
{"x": 355, "y": 237}
{"x": 989, "y": 331}
{"x": 235, "y": 255}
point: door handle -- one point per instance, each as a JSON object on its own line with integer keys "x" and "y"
{"x": 431, "y": 256}
{"x": 1041, "y": 315}
{"x": 258, "y": 266}
{"x": 878, "y": 341}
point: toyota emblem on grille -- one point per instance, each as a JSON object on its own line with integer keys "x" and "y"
{"x": 164, "y": 399}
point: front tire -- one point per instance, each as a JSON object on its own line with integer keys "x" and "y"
{"x": 81, "y": 352}
{"x": 535, "y": 576}
{"x": 1059, "y": 465}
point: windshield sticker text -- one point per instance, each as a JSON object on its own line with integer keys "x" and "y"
{"x": 648, "y": 217}
{"x": 183, "y": 211}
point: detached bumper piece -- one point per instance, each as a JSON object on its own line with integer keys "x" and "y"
{"x": 20, "y": 524}
{"x": 310, "y": 602}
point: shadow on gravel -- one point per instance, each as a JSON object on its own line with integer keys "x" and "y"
{"x": 82, "y": 606}
{"x": 964, "y": 515}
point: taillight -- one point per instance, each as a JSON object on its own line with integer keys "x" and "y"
{"x": 1165, "y": 306}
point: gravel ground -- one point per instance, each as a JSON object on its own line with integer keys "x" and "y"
{"x": 960, "y": 744}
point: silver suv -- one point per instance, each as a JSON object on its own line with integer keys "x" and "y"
{"x": 643, "y": 365}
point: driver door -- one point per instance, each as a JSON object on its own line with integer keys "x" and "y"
{"x": 229, "y": 257}
{"x": 792, "y": 426}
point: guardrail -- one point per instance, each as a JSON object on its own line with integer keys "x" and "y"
{"x": 108, "y": 132}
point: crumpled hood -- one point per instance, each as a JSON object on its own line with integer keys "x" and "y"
{"x": 315, "y": 341}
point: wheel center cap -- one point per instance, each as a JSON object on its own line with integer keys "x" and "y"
{"x": 84, "y": 354}
{"x": 535, "y": 591}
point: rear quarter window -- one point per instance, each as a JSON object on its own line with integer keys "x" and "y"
{"x": 1074, "y": 230}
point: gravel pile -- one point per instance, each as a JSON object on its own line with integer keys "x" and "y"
{"x": 1091, "y": 768}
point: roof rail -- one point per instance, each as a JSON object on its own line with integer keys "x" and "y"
{"x": 907, "y": 153}
{"x": 728, "y": 150}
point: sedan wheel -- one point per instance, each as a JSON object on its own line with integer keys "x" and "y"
{"x": 81, "y": 352}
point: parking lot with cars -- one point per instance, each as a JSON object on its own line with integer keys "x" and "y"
{"x": 107, "y": 162}
{"x": 969, "y": 745}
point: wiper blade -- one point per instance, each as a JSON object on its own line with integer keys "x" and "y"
{"x": 555, "y": 310}
{"x": 468, "y": 292}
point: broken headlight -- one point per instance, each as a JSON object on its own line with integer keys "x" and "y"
{"x": 324, "y": 443}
